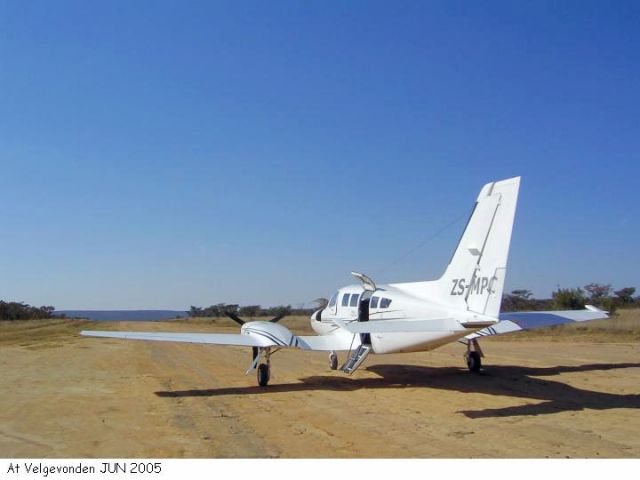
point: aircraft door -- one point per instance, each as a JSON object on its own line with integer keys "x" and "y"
{"x": 363, "y": 315}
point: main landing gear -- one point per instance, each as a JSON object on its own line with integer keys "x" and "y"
{"x": 263, "y": 374}
{"x": 473, "y": 356}
{"x": 333, "y": 361}
{"x": 261, "y": 364}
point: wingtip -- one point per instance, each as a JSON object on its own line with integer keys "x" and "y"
{"x": 593, "y": 308}
{"x": 88, "y": 333}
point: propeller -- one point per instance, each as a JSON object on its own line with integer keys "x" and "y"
{"x": 234, "y": 317}
{"x": 240, "y": 321}
{"x": 255, "y": 352}
{"x": 277, "y": 318}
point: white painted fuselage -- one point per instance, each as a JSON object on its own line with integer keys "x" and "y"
{"x": 392, "y": 303}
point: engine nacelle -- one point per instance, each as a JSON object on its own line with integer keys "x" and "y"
{"x": 270, "y": 334}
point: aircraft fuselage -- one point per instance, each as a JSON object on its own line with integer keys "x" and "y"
{"x": 396, "y": 302}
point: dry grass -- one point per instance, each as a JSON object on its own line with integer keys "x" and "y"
{"x": 30, "y": 332}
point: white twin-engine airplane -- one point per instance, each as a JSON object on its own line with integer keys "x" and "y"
{"x": 462, "y": 305}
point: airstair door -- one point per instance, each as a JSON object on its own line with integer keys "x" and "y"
{"x": 363, "y": 315}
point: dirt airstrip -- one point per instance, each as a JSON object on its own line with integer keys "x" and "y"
{"x": 69, "y": 396}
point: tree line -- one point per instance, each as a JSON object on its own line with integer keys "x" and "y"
{"x": 220, "y": 309}
{"x": 24, "y": 311}
{"x": 600, "y": 295}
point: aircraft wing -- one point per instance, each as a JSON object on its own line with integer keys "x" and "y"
{"x": 328, "y": 343}
{"x": 312, "y": 342}
{"x": 514, "y": 321}
{"x": 210, "y": 338}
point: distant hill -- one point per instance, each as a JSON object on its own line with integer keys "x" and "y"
{"x": 123, "y": 314}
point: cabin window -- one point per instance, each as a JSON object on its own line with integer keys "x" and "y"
{"x": 385, "y": 302}
{"x": 374, "y": 302}
{"x": 332, "y": 302}
{"x": 345, "y": 299}
{"x": 354, "y": 300}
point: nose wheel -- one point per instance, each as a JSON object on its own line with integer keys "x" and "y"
{"x": 333, "y": 361}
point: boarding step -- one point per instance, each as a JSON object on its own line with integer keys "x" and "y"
{"x": 356, "y": 359}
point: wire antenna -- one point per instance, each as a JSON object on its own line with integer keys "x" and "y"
{"x": 423, "y": 243}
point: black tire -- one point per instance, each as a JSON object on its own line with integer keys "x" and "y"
{"x": 263, "y": 374}
{"x": 333, "y": 361}
{"x": 474, "y": 362}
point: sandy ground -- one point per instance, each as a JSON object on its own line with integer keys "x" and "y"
{"x": 68, "y": 396}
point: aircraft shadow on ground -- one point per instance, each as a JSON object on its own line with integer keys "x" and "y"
{"x": 510, "y": 381}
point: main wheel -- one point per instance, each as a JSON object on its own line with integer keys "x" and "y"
{"x": 333, "y": 361}
{"x": 474, "y": 361}
{"x": 263, "y": 374}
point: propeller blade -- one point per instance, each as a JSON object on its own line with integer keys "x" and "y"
{"x": 237, "y": 319}
{"x": 234, "y": 317}
{"x": 278, "y": 318}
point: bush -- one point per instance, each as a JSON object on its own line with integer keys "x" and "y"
{"x": 568, "y": 299}
{"x": 609, "y": 304}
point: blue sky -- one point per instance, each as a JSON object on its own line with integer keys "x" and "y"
{"x": 167, "y": 154}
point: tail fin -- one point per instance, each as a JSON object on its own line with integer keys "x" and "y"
{"x": 474, "y": 279}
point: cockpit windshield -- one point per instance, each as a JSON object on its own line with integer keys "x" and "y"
{"x": 332, "y": 302}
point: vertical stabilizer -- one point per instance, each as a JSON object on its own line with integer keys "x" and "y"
{"x": 474, "y": 279}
